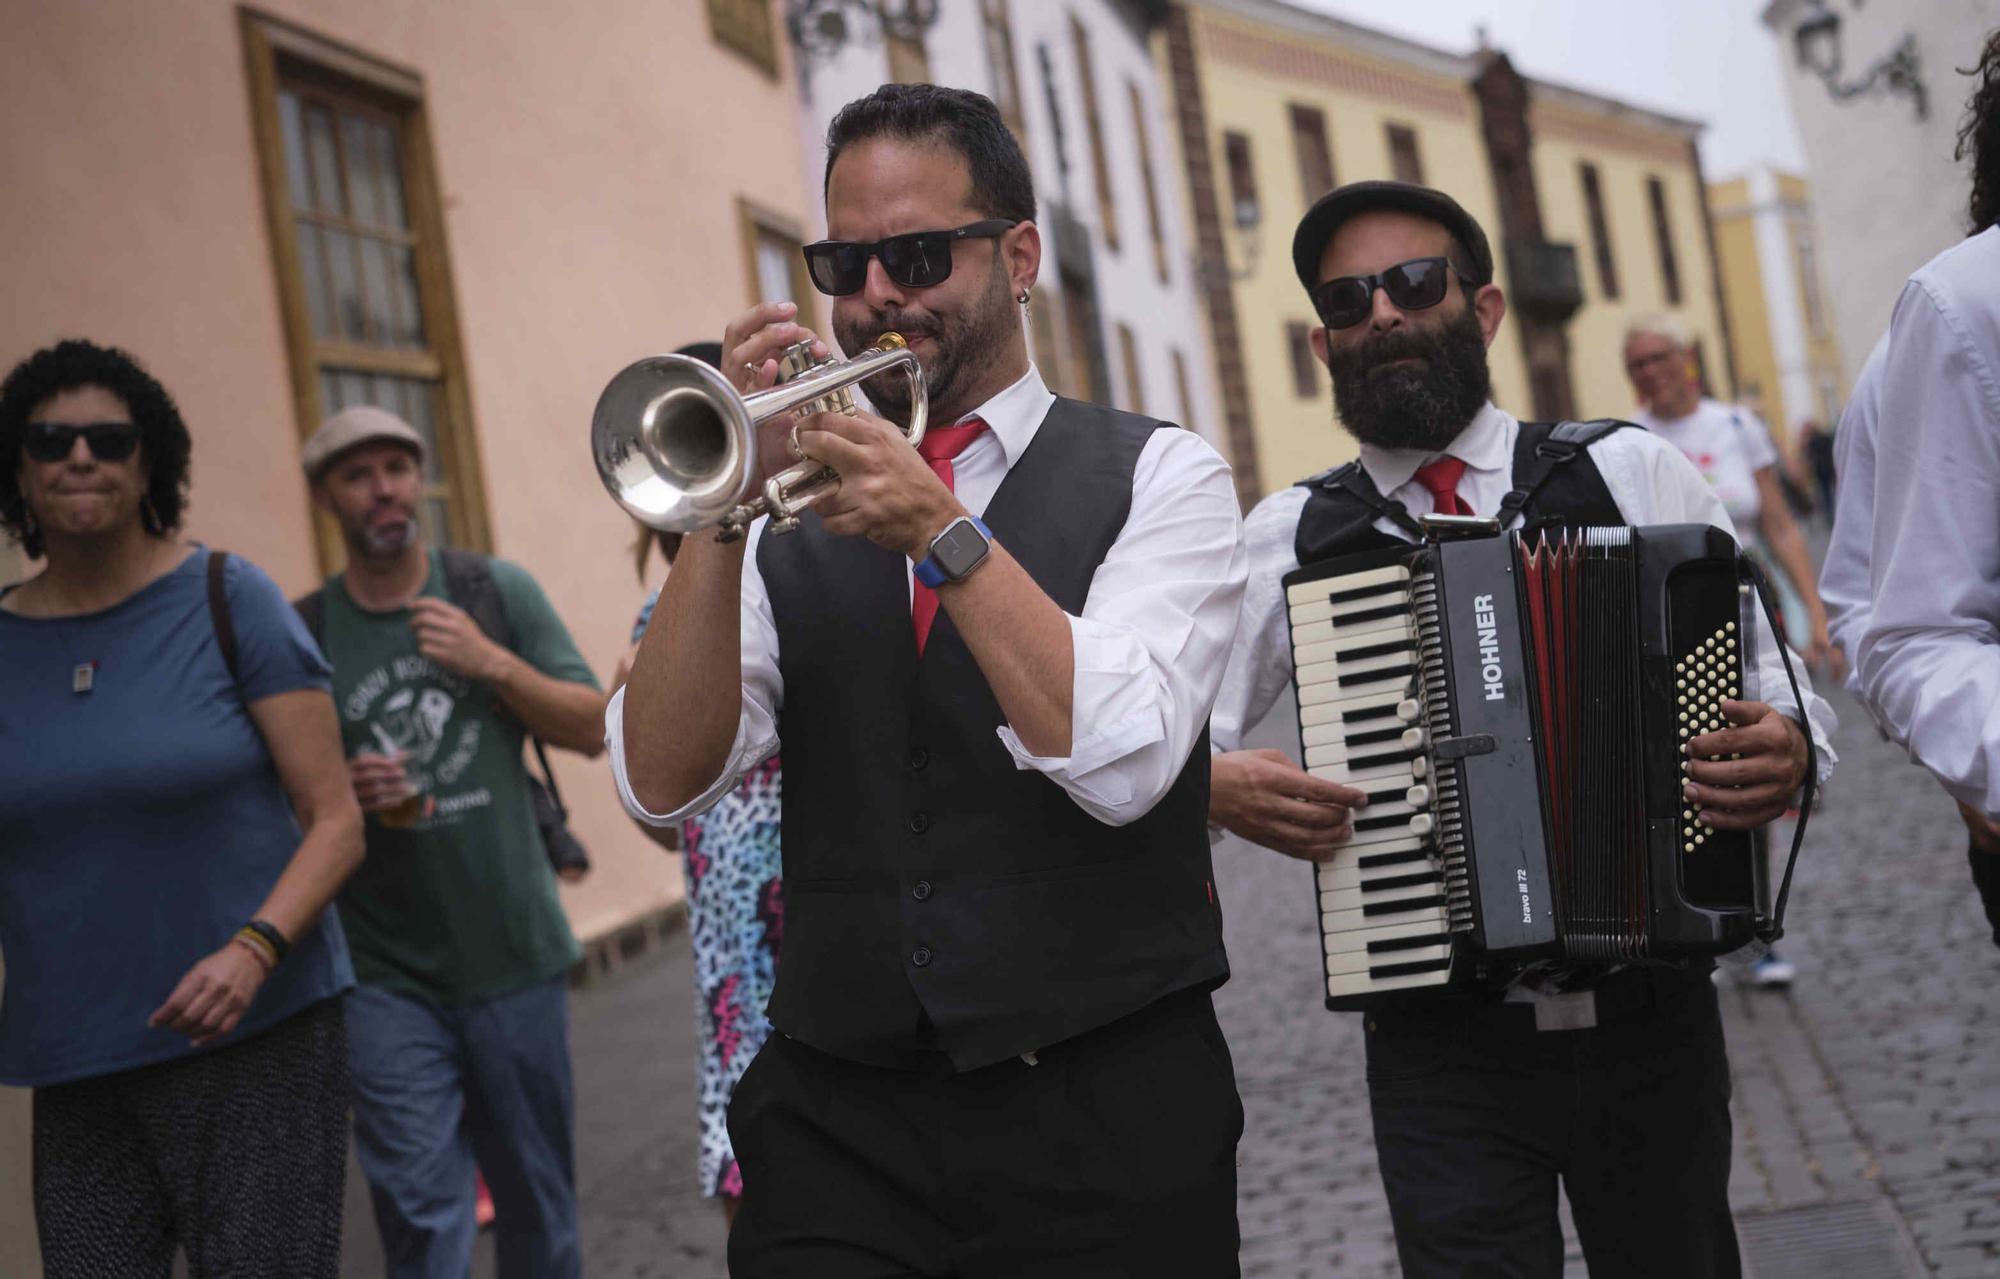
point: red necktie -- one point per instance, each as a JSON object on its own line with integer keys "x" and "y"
{"x": 1441, "y": 478}
{"x": 940, "y": 445}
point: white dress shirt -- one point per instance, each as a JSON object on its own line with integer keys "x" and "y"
{"x": 1149, "y": 647}
{"x": 1648, "y": 478}
{"x": 1928, "y": 661}
{"x": 1844, "y": 584}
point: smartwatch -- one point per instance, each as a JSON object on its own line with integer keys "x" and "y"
{"x": 958, "y": 550}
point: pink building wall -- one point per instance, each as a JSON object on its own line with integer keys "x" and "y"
{"x": 590, "y": 163}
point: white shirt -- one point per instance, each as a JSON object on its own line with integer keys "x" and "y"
{"x": 1844, "y": 585}
{"x": 1728, "y": 444}
{"x": 1928, "y": 661}
{"x": 1149, "y": 647}
{"x": 1649, "y": 480}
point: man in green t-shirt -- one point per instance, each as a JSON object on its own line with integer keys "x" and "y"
{"x": 458, "y": 1035}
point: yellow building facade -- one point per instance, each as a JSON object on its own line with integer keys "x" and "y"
{"x": 1786, "y": 350}
{"x": 1292, "y": 103}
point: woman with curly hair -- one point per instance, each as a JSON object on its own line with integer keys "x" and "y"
{"x": 175, "y": 817}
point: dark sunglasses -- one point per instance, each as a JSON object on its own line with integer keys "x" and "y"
{"x": 915, "y": 260}
{"x": 108, "y": 441}
{"x": 1412, "y": 286}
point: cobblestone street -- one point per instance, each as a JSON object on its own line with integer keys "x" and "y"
{"x": 1867, "y": 1099}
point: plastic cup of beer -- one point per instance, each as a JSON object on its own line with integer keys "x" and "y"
{"x": 409, "y": 810}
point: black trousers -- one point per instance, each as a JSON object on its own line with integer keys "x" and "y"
{"x": 1113, "y": 1156}
{"x": 1478, "y": 1115}
{"x": 236, "y": 1156}
{"x": 1986, "y": 877}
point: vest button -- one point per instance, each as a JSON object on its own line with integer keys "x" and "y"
{"x": 919, "y": 823}
{"x": 919, "y": 757}
{"x": 921, "y": 890}
{"x": 921, "y": 956}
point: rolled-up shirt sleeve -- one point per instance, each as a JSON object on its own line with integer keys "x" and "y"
{"x": 756, "y": 723}
{"x": 1154, "y": 634}
{"x": 1929, "y": 654}
{"x": 1653, "y": 484}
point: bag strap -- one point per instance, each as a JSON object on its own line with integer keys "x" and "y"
{"x": 468, "y": 580}
{"x": 312, "y": 611}
{"x": 218, "y": 614}
{"x": 1536, "y": 465}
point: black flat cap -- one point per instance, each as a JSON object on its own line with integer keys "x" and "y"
{"x": 1342, "y": 203}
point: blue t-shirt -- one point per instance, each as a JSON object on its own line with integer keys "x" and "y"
{"x": 143, "y": 822}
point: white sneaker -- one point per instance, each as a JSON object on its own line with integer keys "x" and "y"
{"x": 1771, "y": 972}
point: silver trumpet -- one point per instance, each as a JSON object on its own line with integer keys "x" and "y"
{"x": 676, "y": 444}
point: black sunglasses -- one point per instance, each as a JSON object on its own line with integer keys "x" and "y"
{"x": 108, "y": 441}
{"x": 915, "y": 260}
{"x": 1412, "y": 286}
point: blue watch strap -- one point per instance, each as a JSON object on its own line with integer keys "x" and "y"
{"x": 930, "y": 572}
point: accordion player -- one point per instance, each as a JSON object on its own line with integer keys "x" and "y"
{"x": 1515, "y": 707}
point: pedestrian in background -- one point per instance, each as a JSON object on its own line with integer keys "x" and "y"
{"x": 174, "y": 820}
{"x": 736, "y": 914}
{"x": 459, "y": 1029}
{"x": 1919, "y": 529}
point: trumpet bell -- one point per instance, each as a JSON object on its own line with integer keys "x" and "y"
{"x": 674, "y": 443}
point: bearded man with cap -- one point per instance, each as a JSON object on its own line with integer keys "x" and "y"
{"x": 458, "y": 1033}
{"x": 1478, "y": 1109}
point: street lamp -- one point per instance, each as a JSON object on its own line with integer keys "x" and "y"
{"x": 1817, "y": 38}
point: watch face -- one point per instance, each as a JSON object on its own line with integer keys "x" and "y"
{"x": 959, "y": 548}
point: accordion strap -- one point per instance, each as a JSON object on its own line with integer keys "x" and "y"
{"x": 1772, "y": 927}
{"x": 1535, "y": 466}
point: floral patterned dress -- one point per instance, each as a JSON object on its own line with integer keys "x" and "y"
{"x": 736, "y": 919}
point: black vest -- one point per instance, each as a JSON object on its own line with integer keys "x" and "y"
{"x": 936, "y": 896}
{"x": 1555, "y": 485}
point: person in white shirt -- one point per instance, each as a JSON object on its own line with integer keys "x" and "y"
{"x": 1927, "y": 648}
{"x": 1732, "y": 449}
{"x": 1000, "y": 927}
{"x": 1478, "y": 1114}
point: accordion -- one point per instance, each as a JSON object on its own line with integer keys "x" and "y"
{"x": 1515, "y": 707}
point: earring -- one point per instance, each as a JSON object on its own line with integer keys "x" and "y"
{"x": 1023, "y": 299}
{"x": 149, "y": 519}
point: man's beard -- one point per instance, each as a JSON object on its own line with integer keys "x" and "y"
{"x": 961, "y": 344}
{"x": 370, "y": 542}
{"x": 1421, "y": 405}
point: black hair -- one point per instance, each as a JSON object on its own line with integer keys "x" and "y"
{"x": 967, "y": 122}
{"x": 75, "y": 363}
{"x": 1979, "y": 136}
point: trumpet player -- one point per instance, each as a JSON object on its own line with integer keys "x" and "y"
{"x": 990, "y": 661}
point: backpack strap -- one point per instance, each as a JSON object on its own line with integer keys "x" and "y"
{"x": 1537, "y": 460}
{"x": 218, "y": 613}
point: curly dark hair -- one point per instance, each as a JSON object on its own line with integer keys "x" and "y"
{"x": 75, "y": 363}
{"x": 965, "y": 121}
{"x": 1979, "y": 136}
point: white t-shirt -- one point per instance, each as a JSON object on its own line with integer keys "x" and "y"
{"x": 1728, "y": 445}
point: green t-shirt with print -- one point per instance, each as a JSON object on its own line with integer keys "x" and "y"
{"x": 460, "y": 906}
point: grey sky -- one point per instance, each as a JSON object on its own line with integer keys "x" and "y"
{"x": 1709, "y": 60}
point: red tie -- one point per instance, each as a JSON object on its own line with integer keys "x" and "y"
{"x": 940, "y": 445}
{"x": 1441, "y": 478}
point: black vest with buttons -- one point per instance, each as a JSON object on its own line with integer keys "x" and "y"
{"x": 1556, "y": 485}
{"x": 937, "y": 896}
